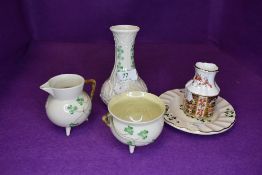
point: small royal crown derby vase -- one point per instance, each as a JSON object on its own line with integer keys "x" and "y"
{"x": 201, "y": 92}
{"x": 135, "y": 118}
{"x": 124, "y": 77}
{"x": 67, "y": 104}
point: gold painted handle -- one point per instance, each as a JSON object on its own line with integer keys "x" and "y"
{"x": 93, "y": 87}
{"x": 106, "y": 120}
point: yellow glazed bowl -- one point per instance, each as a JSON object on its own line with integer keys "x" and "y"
{"x": 135, "y": 118}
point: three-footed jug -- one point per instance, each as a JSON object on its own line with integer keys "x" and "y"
{"x": 67, "y": 104}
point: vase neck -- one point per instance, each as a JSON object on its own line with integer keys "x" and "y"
{"x": 124, "y": 50}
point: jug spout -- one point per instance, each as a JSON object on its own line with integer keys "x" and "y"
{"x": 47, "y": 88}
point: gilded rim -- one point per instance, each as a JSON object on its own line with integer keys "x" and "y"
{"x": 196, "y": 67}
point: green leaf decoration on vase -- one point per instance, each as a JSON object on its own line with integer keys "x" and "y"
{"x": 80, "y": 100}
{"x": 143, "y": 134}
{"x": 120, "y": 51}
{"x": 132, "y": 56}
{"x": 129, "y": 130}
{"x": 71, "y": 109}
{"x": 120, "y": 57}
{"x": 119, "y": 67}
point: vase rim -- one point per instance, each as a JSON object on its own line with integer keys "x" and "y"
{"x": 124, "y": 28}
{"x": 208, "y": 67}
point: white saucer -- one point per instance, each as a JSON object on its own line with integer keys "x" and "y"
{"x": 223, "y": 117}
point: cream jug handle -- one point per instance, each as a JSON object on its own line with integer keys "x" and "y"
{"x": 106, "y": 120}
{"x": 93, "y": 87}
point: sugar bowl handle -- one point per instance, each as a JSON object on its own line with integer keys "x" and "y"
{"x": 106, "y": 120}
{"x": 93, "y": 87}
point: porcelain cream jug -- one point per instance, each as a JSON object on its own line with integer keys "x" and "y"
{"x": 67, "y": 104}
{"x": 124, "y": 77}
{"x": 135, "y": 118}
{"x": 202, "y": 91}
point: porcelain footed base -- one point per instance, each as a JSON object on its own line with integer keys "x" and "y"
{"x": 68, "y": 130}
{"x": 131, "y": 149}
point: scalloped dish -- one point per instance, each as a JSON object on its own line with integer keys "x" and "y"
{"x": 223, "y": 117}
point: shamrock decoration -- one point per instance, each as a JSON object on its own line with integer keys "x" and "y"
{"x": 119, "y": 66}
{"x": 73, "y": 124}
{"x": 143, "y": 134}
{"x": 80, "y": 100}
{"x": 130, "y": 143}
{"x": 129, "y": 130}
{"x": 132, "y": 56}
{"x": 71, "y": 109}
{"x": 229, "y": 113}
{"x": 120, "y": 51}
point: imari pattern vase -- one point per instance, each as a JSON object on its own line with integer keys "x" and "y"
{"x": 124, "y": 77}
{"x": 201, "y": 92}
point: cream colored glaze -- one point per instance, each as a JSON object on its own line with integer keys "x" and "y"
{"x": 137, "y": 108}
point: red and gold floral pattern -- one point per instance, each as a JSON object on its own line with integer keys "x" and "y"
{"x": 200, "y": 106}
{"x": 201, "y": 80}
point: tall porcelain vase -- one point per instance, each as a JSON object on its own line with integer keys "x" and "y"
{"x": 124, "y": 77}
{"x": 202, "y": 91}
